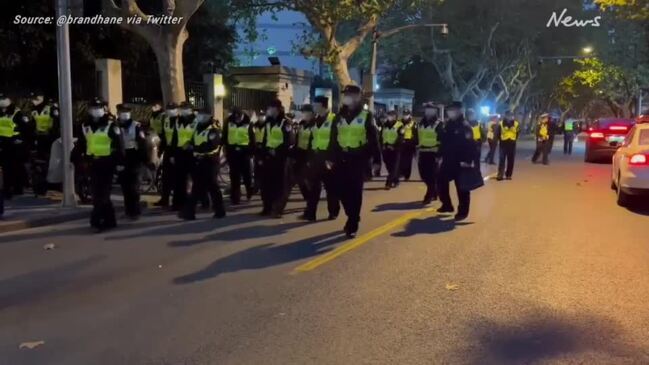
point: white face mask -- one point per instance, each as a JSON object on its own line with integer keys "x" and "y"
{"x": 319, "y": 109}
{"x": 124, "y": 116}
{"x": 37, "y": 101}
{"x": 430, "y": 112}
{"x": 203, "y": 118}
{"x": 453, "y": 114}
{"x": 307, "y": 116}
{"x": 348, "y": 100}
{"x": 4, "y": 103}
{"x": 97, "y": 113}
{"x": 155, "y": 108}
{"x": 186, "y": 112}
{"x": 271, "y": 112}
{"x": 172, "y": 113}
{"x": 392, "y": 118}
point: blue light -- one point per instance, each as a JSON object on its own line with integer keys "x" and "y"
{"x": 485, "y": 110}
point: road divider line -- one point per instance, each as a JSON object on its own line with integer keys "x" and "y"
{"x": 359, "y": 241}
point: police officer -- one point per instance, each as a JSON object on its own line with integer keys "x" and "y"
{"x": 427, "y": 136}
{"x": 258, "y": 132}
{"x": 354, "y": 141}
{"x": 508, "y": 134}
{"x": 492, "y": 129}
{"x": 478, "y": 133}
{"x": 102, "y": 145}
{"x": 409, "y": 146}
{"x": 320, "y": 162}
{"x": 182, "y": 156}
{"x": 46, "y": 119}
{"x": 392, "y": 145}
{"x": 542, "y": 132}
{"x": 278, "y": 140}
{"x": 457, "y": 151}
{"x": 135, "y": 156}
{"x": 16, "y": 137}
{"x": 170, "y": 121}
{"x": 568, "y": 135}
{"x": 205, "y": 146}
{"x": 238, "y": 138}
{"x": 156, "y": 122}
{"x": 381, "y": 120}
{"x": 302, "y": 151}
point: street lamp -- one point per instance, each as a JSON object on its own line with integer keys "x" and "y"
{"x": 587, "y": 50}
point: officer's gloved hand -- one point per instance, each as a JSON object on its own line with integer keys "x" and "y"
{"x": 464, "y": 164}
{"x": 18, "y": 141}
{"x": 120, "y": 168}
{"x": 329, "y": 165}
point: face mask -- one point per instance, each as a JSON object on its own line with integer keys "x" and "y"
{"x": 453, "y": 114}
{"x": 172, "y": 113}
{"x": 391, "y": 119}
{"x": 97, "y": 113}
{"x": 348, "y": 100}
{"x": 124, "y": 116}
{"x": 203, "y": 118}
{"x": 430, "y": 113}
{"x": 271, "y": 112}
{"x": 407, "y": 116}
{"x": 186, "y": 112}
{"x": 37, "y": 101}
{"x": 5, "y": 103}
{"x": 318, "y": 109}
{"x": 471, "y": 118}
{"x": 307, "y": 116}
{"x": 155, "y": 108}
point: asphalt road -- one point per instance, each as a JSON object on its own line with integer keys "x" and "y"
{"x": 547, "y": 269}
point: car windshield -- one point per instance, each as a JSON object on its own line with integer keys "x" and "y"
{"x": 643, "y": 140}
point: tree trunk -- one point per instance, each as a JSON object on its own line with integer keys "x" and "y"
{"x": 341, "y": 70}
{"x": 169, "y": 53}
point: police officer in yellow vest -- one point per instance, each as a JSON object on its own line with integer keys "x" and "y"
{"x": 543, "y": 133}
{"x": 135, "y": 157}
{"x": 428, "y": 145}
{"x": 319, "y": 165}
{"x": 157, "y": 118}
{"x": 279, "y": 139}
{"x": 568, "y": 135}
{"x": 46, "y": 119}
{"x": 258, "y": 131}
{"x": 205, "y": 145}
{"x": 181, "y": 153}
{"x": 239, "y": 139}
{"x": 492, "y": 130}
{"x": 302, "y": 151}
{"x": 409, "y": 146}
{"x": 392, "y": 142}
{"x": 508, "y": 135}
{"x": 354, "y": 140}
{"x": 101, "y": 144}
{"x": 16, "y": 137}
{"x": 169, "y": 123}
{"x": 478, "y": 133}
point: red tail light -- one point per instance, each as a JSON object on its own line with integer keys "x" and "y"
{"x": 638, "y": 159}
{"x": 618, "y": 128}
{"x": 596, "y": 135}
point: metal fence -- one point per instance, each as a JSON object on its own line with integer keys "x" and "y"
{"x": 249, "y": 99}
{"x": 196, "y": 94}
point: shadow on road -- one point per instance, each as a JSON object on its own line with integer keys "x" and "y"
{"x": 429, "y": 225}
{"x": 244, "y": 233}
{"x": 398, "y": 206}
{"x": 263, "y": 256}
{"x": 545, "y": 335}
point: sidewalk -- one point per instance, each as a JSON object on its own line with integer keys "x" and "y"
{"x": 27, "y": 211}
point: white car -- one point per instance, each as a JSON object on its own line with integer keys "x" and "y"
{"x": 630, "y": 171}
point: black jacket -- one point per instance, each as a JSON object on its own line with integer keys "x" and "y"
{"x": 456, "y": 144}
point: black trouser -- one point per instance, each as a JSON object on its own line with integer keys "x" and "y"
{"x": 204, "y": 171}
{"x": 2, "y": 199}
{"x": 493, "y": 143}
{"x": 318, "y": 174}
{"x": 568, "y": 138}
{"x": 274, "y": 184}
{"x": 182, "y": 172}
{"x": 43, "y": 150}
{"x": 101, "y": 181}
{"x": 239, "y": 161}
{"x": 15, "y": 172}
{"x": 168, "y": 173}
{"x": 257, "y": 171}
{"x": 392, "y": 160}
{"x": 129, "y": 179}
{"x": 448, "y": 174}
{"x": 428, "y": 171}
{"x": 407, "y": 154}
{"x": 299, "y": 174}
{"x": 478, "y": 154}
{"x": 542, "y": 149}
{"x": 349, "y": 174}
{"x": 507, "y": 155}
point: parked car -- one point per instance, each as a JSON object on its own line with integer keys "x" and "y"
{"x": 630, "y": 169}
{"x": 605, "y": 135}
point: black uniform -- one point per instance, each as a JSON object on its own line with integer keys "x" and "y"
{"x": 301, "y": 154}
{"x": 408, "y": 148}
{"x": 167, "y": 150}
{"x": 392, "y": 152}
{"x": 507, "y": 154}
{"x": 102, "y": 170}
{"x": 478, "y": 138}
{"x": 204, "y": 165}
{"x": 492, "y": 141}
{"x": 543, "y": 133}
{"x": 182, "y": 162}
{"x": 350, "y": 163}
{"x": 428, "y": 162}
{"x": 238, "y": 156}
{"x": 457, "y": 146}
{"x": 15, "y": 151}
{"x": 320, "y": 173}
{"x": 274, "y": 167}
{"x": 258, "y": 131}
{"x": 43, "y": 141}
{"x": 135, "y": 156}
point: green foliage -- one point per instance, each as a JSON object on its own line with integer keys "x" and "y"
{"x": 630, "y": 9}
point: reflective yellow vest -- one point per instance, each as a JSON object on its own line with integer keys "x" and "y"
{"x": 238, "y": 136}
{"x": 44, "y": 120}
{"x": 185, "y": 133}
{"x": 7, "y": 125}
{"x": 259, "y": 134}
{"x": 508, "y": 133}
{"x": 428, "y": 140}
{"x": 98, "y": 143}
{"x": 322, "y": 134}
{"x": 304, "y": 137}
{"x": 156, "y": 123}
{"x": 201, "y": 137}
{"x": 490, "y": 130}
{"x": 390, "y": 134}
{"x": 168, "y": 130}
{"x": 543, "y": 132}
{"x": 274, "y": 135}
{"x": 477, "y": 132}
{"x": 408, "y": 130}
{"x": 569, "y": 125}
{"x": 353, "y": 135}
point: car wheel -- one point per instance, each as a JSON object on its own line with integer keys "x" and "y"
{"x": 622, "y": 197}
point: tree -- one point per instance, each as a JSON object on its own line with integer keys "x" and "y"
{"x": 166, "y": 40}
{"x": 631, "y": 9}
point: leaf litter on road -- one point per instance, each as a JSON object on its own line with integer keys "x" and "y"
{"x": 452, "y": 286}
{"x": 30, "y": 345}
{"x": 49, "y": 246}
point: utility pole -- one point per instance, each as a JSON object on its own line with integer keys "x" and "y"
{"x": 65, "y": 103}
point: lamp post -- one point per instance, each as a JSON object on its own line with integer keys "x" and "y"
{"x": 376, "y": 36}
